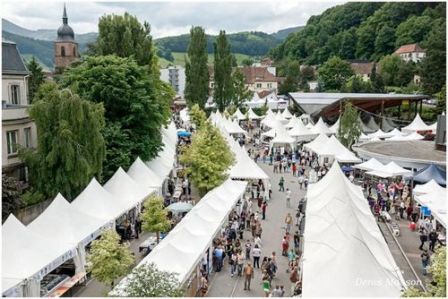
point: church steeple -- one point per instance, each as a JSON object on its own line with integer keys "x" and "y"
{"x": 64, "y": 17}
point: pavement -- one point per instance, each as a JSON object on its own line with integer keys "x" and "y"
{"x": 222, "y": 284}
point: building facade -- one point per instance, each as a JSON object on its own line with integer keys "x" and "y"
{"x": 17, "y": 128}
{"x": 411, "y": 52}
{"x": 65, "y": 46}
{"x": 175, "y": 76}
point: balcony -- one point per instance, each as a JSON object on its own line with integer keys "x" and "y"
{"x": 13, "y": 112}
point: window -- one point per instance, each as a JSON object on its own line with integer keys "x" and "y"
{"x": 269, "y": 85}
{"x": 15, "y": 94}
{"x": 258, "y": 85}
{"x": 74, "y": 51}
{"x": 27, "y": 133}
{"x": 11, "y": 138}
{"x": 63, "y": 51}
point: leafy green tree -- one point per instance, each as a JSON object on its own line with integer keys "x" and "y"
{"x": 396, "y": 72}
{"x": 70, "y": 147}
{"x": 413, "y": 30}
{"x": 441, "y": 101}
{"x": 208, "y": 158}
{"x": 134, "y": 111}
{"x": 124, "y": 36}
{"x": 376, "y": 79}
{"x": 108, "y": 259}
{"x": 223, "y": 88}
{"x": 356, "y": 85}
{"x": 148, "y": 281}
{"x": 347, "y": 49}
{"x": 196, "y": 70}
{"x": 433, "y": 66}
{"x": 154, "y": 217}
{"x": 350, "y": 129}
{"x": 292, "y": 73}
{"x": 11, "y": 192}
{"x": 247, "y": 62}
{"x": 197, "y": 116}
{"x": 384, "y": 42}
{"x": 437, "y": 269}
{"x": 241, "y": 93}
{"x": 334, "y": 73}
{"x": 36, "y": 78}
{"x": 307, "y": 74}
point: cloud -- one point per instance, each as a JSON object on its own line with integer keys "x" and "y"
{"x": 169, "y": 17}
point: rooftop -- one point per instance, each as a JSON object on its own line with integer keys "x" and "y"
{"x": 410, "y": 48}
{"x": 12, "y": 62}
{"x": 257, "y": 74}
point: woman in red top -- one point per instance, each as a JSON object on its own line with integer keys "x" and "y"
{"x": 285, "y": 246}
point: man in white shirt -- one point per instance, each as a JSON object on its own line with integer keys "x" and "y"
{"x": 288, "y": 198}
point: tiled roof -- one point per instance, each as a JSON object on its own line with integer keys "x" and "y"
{"x": 257, "y": 74}
{"x": 409, "y": 49}
{"x": 12, "y": 62}
{"x": 362, "y": 68}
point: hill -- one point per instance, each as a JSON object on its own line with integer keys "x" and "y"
{"x": 282, "y": 34}
{"x": 179, "y": 59}
{"x": 362, "y": 30}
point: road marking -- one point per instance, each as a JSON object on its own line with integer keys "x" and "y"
{"x": 234, "y": 287}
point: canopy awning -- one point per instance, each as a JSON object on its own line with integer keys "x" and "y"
{"x": 371, "y": 165}
{"x": 431, "y": 172}
{"x": 390, "y": 170}
{"x": 416, "y": 125}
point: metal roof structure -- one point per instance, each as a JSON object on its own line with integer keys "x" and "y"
{"x": 328, "y": 104}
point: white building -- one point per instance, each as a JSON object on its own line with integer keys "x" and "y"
{"x": 175, "y": 76}
{"x": 17, "y": 127}
{"x": 411, "y": 52}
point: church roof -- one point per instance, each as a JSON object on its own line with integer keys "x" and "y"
{"x": 65, "y": 32}
{"x": 12, "y": 62}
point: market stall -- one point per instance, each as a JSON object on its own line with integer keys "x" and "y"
{"x": 145, "y": 177}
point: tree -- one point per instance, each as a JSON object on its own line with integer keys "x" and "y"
{"x": 223, "y": 88}
{"x": 196, "y": 70}
{"x": 307, "y": 74}
{"x": 334, "y": 73}
{"x": 124, "y": 36}
{"x": 396, "y": 72}
{"x": 291, "y": 83}
{"x": 384, "y": 42}
{"x": 441, "y": 101}
{"x": 247, "y": 62}
{"x": 376, "y": 79}
{"x": 350, "y": 129}
{"x": 413, "y": 30}
{"x": 70, "y": 147}
{"x": 36, "y": 78}
{"x": 154, "y": 217}
{"x": 241, "y": 92}
{"x": 208, "y": 158}
{"x": 11, "y": 192}
{"x": 198, "y": 116}
{"x": 433, "y": 66}
{"x": 356, "y": 85}
{"x": 108, "y": 259}
{"x": 148, "y": 281}
{"x": 437, "y": 269}
{"x": 134, "y": 111}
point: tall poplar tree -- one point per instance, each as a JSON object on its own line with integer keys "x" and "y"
{"x": 196, "y": 70}
{"x": 223, "y": 89}
{"x": 36, "y": 77}
{"x": 70, "y": 146}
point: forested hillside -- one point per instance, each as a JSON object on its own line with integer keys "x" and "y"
{"x": 363, "y": 30}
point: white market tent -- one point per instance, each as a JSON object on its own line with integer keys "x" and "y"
{"x": 390, "y": 170}
{"x": 309, "y": 126}
{"x": 235, "y": 128}
{"x": 321, "y": 128}
{"x": 184, "y": 117}
{"x": 176, "y": 252}
{"x": 370, "y": 165}
{"x": 335, "y": 127}
{"x": 292, "y": 122}
{"x": 317, "y": 143}
{"x": 286, "y": 114}
{"x": 279, "y": 117}
{"x": 161, "y": 165}
{"x": 97, "y": 202}
{"x": 429, "y": 187}
{"x": 269, "y": 120}
{"x": 145, "y": 177}
{"x": 435, "y": 200}
{"x": 239, "y": 115}
{"x": 300, "y": 132}
{"x": 363, "y": 137}
{"x": 282, "y": 138}
{"x": 343, "y": 246}
{"x": 252, "y": 115}
{"x": 379, "y": 133}
{"x": 334, "y": 148}
{"x": 412, "y": 136}
{"x": 416, "y": 125}
{"x": 27, "y": 257}
{"x": 394, "y": 133}
{"x": 123, "y": 187}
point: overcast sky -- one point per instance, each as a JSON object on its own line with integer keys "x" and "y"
{"x": 168, "y": 17}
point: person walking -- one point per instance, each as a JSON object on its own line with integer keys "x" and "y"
{"x": 285, "y": 246}
{"x": 266, "y": 284}
{"x": 423, "y": 238}
{"x": 433, "y": 237}
{"x": 240, "y": 262}
{"x": 218, "y": 253}
{"x": 256, "y": 253}
{"x": 281, "y": 184}
{"x": 288, "y": 198}
{"x": 248, "y": 275}
{"x": 257, "y": 241}
{"x": 264, "y": 205}
{"x": 288, "y": 222}
{"x": 296, "y": 240}
{"x": 233, "y": 263}
{"x": 276, "y": 292}
{"x": 301, "y": 180}
{"x": 425, "y": 261}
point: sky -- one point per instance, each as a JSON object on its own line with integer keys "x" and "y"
{"x": 168, "y": 18}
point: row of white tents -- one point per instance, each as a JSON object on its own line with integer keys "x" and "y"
{"x": 63, "y": 230}
{"x": 433, "y": 196}
{"x": 181, "y": 251}
{"x": 345, "y": 254}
